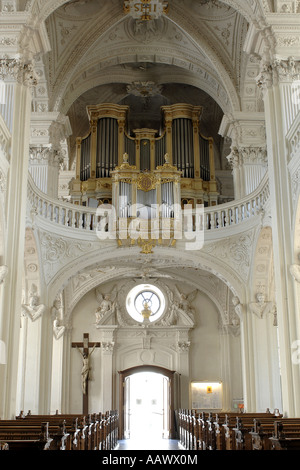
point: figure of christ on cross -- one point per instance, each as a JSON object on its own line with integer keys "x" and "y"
{"x": 86, "y": 354}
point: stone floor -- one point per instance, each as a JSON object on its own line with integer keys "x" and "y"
{"x": 143, "y": 444}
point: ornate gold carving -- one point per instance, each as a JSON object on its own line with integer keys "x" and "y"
{"x": 125, "y": 165}
{"x": 146, "y": 182}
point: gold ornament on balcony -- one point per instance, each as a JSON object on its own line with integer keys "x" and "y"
{"x": 146, "y": 10}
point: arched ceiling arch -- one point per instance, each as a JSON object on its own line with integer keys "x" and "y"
{"x": 110, "y": 263}
{"x": 252, "y": 10}
{"x": 116, "y": 42}
{"x": 212, "y": 51}
{"x": 207, "y": 283}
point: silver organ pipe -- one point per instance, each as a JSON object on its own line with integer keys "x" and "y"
{"x": 167, "y": 199}
{"x": 160, "y": 151}
{"x": 130, "y": 149}
{"x": 179, "y": 147}
{"x": 145, "y": 155}
{"x": 204, "y": 158}
{"x": 107, "y": 147}
{"x": 125, "y": 199}
{"x": 85, "y": 167}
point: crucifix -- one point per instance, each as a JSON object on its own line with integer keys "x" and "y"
{"x": 86, "y": 354}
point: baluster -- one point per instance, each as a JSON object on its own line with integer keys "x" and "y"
{"x": 81, "y": 220}
{"x": 58, "y": 214}
{"x": 53, "y": 212}
{"x": 67, "y": 220}
{"x": 239, "y": 214}
{"x": 41, "y": 207}
{"x": 45, "y": 209}
{"x": 88, "y": 221}
{"x": 227, "y": 218}
{"x": 73, "y": 219}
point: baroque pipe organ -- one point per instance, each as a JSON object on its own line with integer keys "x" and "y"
{"x": 147, "y": 154}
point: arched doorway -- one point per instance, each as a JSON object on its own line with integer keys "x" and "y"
{"x": 147, "y": 402}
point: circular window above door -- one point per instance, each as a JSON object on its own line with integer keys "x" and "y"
{"x": 145, "y": 302}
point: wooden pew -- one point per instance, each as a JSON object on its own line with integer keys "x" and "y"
{"x": 238, "y": 431}
{"x": 24, "y": 438}
{"x": 286, "y": 435}
{"x": 238, "y": 427}
{"x": 92, "y": 432}
{"x": 79, "y": 427}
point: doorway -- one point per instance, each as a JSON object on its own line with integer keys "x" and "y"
{"x": 146, "y": 398}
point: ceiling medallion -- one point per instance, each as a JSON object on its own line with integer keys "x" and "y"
{"x": 146, "y": 10}
{"x": 144, "y": 89}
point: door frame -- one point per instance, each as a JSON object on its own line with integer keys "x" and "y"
{"x": 133, "y": 370}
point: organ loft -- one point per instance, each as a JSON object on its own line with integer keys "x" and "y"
{"x": 131, "y": 167}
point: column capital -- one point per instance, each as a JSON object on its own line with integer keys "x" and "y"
{"x": 49, "y": 128}
{"x": 278, "y": 71}
{"x": 18, "y": 70}
{"x": 244, "y": 129}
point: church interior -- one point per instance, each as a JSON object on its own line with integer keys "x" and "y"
{"x": 150, "y": 223}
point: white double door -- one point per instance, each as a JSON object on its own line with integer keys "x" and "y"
{"x": 147, "y": 405}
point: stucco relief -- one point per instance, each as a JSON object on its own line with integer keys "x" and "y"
{"x": 235, "y": 251}
{"x": 57, "y": 251}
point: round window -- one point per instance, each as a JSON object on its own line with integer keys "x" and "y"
{"x": 145, "y": 303}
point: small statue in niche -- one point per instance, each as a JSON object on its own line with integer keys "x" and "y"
{"x": 262, "y": 307}
{"x": 33, "y": 309}
{"x": 181, "y": 308}
{"x": 184, "y": 303}
{"x": 107, "y": 305}
{"x": 56, "y": 314}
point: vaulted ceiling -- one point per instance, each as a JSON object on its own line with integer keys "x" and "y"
{"x": 193, "y": 54}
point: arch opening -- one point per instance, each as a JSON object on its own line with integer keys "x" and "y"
{"x": 147, "y": 401}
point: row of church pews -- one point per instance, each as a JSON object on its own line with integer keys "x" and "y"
{"x": 231, "y": 431}
{"x": 60, "y": 432}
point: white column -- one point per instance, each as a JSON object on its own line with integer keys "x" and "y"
{"x": 247, "y": 355}
{"x": 49, "y": 131}
{"x": 276, "y": 80}
{"x": 106, "y": 368}
{"x": 44, "y": 168}
{"x": 248, "y": 150}
{"x": 183, "y": 367}
{"x": 16, "y": 213}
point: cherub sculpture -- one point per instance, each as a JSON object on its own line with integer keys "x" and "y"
{"x": 107, "y": 304}
{"x": 33, "y": 309}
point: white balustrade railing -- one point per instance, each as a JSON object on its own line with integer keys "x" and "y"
{"x": 60, "y": 212}
{"x": 212, "y": 218}
{"x": 238, "y": 211}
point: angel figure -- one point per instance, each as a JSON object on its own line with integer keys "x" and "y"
{"x": 107, "y": 305}
{"x": 262, "y": 307}
{"x": 182, "y": 306}
{"x": 33, "y": 310}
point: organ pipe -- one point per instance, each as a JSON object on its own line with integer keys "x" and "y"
{"x": 102, "y": 150}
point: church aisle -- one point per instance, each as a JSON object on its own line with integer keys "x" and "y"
{"x": 144, "y": 444}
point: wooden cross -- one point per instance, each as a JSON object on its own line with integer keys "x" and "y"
{"x": 86, "y": 353}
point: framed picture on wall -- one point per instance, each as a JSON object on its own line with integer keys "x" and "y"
{"x": 206, "y": 395}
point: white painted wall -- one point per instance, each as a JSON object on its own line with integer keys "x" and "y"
{"x": 202, "y": 362}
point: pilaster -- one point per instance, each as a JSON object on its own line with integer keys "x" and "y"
{"x": 24, "y": 78}
{"x": 277, "y": 81}
{"x": 248, "y": 156}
